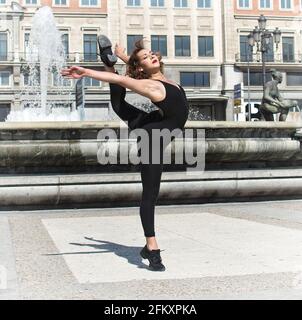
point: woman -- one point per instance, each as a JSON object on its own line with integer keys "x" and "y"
{"x": 145, "y": 77}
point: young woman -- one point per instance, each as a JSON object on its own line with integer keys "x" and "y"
{"x": 145, "y": 77}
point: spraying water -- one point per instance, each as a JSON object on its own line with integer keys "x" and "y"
{"x": 45, "y": 57}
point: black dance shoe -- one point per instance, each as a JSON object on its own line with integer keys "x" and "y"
{"x": 105, "y": 48}
{"x": 155, "y": 262}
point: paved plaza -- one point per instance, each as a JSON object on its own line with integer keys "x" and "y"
{"x": 211, "y": 251}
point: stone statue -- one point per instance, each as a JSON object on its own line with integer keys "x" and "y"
{"x": 272, "y": 101}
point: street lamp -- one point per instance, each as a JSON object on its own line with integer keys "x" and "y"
{"x": 277, "y": 36}
{"x": 251, "y": 43}
{"x": 251, "y": 39}
{"x": 262, "y": 38}
{"x": 256, "y": 34}
{"x": 262, "y": 22}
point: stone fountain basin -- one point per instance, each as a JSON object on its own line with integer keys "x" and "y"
{"x": 54, "y": 165}
{"x": 73, "y": 146}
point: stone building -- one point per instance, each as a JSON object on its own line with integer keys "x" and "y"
{"x": 203, "y": 43}
{"x": 188, "y": 33}
{"x": 80, "y": 21}
{"x": 239, "y": 19}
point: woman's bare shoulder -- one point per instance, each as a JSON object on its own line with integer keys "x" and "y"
{"x": 153, "y": 84}
{"x": 146, "y": 87}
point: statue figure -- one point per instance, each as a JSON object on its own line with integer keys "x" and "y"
{"x": 272, "y": 101}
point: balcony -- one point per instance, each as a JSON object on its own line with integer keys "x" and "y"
{"x": 7, "y": 57}
{"x": 72, "y": 57}
{"x": 80, "y": 57}
{"x": 276, "y": 60}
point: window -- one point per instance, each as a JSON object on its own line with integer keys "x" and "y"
{"x": 4, "y": 111}
{"x": 131, "y": 39}
{"x": 60, "y": 2}
{"x": 157, "y": 3}
{"x": 88, "y": 3}
{"x": 244, "y": 4}
{"x": 269, "y": 54}
{"x": 286, "y": 4}
{"x": 159, "y": 43}
{"x": 256, "y": 78}
{"x": 25, "y": 79}
{"x": 265, "y": 4}
{"x": 33, "y": 80}
{"x": 90, "y": 47}
{"x": 2, "y": 1}
{"x": 195, "y": 79}
{"x": 3, "y": 46}
{"x": 31, "y": 2}
{"x": 180, "y": 3}
{"x": 26, "y": 40}
{"x": 26, "y": 44}
{"x": 4, "y": 78}
{"x": 133, "y": 3}
{"x": 204, "y": 4}
{"x": 59, "y": 81}
{"x": 90, "y": 82}
{"x": 65, "y": 41}
{"x": 205, "y": 46}
{"x": 182, "y": 46}
{"x": 245, "y": 50}
{"x": 288, "y": 49}
{"x": 294, "y": 79}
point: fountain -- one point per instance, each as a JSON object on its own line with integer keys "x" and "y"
{"x": 45, "y": 57}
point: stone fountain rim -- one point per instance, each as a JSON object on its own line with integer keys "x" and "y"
{"x": 88, "y": 125}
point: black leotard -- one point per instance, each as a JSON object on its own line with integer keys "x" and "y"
{"x": 174, "y": 105}
{"x": 175, "y": 109}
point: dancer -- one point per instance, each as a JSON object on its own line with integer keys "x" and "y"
{"x": 145, "y": 77}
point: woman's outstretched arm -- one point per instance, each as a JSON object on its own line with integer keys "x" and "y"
{"x": 151, "y": 89}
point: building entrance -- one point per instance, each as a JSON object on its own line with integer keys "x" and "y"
{"x": 207, "y": 111}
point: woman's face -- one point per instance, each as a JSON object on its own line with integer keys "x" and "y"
{"x": 148, "y": 61}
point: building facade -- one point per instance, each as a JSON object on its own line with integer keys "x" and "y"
{"x": 189, "y": 36}
{"x": 203, "y": 44}
{"x": 188, "y": 33}
{"x": 80, "y": 21}
{"x": 240, "y": 18}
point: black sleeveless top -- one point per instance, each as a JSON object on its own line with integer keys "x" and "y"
{"x": 175, "y": 105}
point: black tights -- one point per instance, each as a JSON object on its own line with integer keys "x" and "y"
{"x": 150, "y": 173}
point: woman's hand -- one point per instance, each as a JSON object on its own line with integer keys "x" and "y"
{"x": 73, "y": 72}
{"x": 119, "y": 51}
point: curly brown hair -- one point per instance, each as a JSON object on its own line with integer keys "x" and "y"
{"x": 133, "y": 63}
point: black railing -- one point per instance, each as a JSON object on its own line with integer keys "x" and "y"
{"x": 276, "y": 58}
{"x": 7, "y": 56}
{"x": 76, "y": 57}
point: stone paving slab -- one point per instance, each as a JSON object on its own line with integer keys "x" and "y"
{"x": 103, "y": 249}
{"x": 8, "y": 277}
{"x": 234, "y": 250}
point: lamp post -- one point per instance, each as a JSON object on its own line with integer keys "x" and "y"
{"x": 262, "y": 38}
{"x": 251, "y": 42}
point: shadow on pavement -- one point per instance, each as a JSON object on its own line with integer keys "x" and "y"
{"x": 127, "y": 252}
